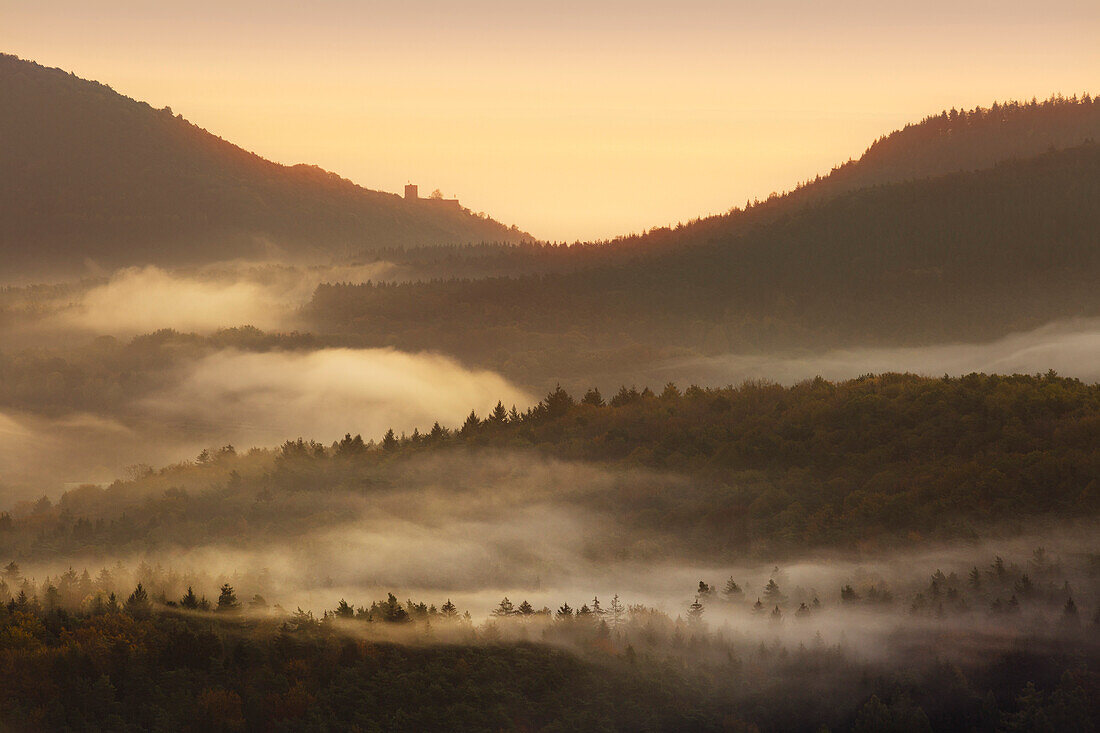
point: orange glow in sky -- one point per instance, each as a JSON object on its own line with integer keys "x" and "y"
{"x": 572, "y": 120}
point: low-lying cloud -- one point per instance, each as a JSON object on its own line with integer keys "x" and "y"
{"x": 1071, "y": 348}
{"x": 139, "y": 300}
{"x": 38, "y": 455}
{"x": 259, "y": 398}
{"x": 143, "y": 299}
{"x": 247, "y": 399}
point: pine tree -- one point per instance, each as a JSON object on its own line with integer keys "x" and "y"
{"x": 616, "y": 612}
{"x": 975, "y": 578}
{"x": 505, "y": 608}
{"x": 189, "y": 600}
{"x": 732, "y": 591}
{"x": 52, "y": 598}
{"x": 449, "y": 610}
{"x": 1069, "y": 613}
{"x": 470, "y": 426}
{"x": 558, "y": 403}
{"x": 772, "y": 593}
{"x": 695, "y": 611}
{"x": 138, "y": 602}
{"x": 593, "y": 397}
{"x": 389, "y": 441}
{"x": 227, "y": 599}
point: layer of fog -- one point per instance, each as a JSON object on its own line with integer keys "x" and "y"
{"x": 246, "y": 399}
{"x": 1071, "y": 348}
{"x": 462, "y": 563}
{"x": 263, "y": 398}
{"x": 139, "y": 300}
{"x": 474, "y": 527}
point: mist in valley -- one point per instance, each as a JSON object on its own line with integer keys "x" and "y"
{"x": 1070, "y": 347}
{"x": 283, "y": 450}
{"x": 258, "y": 390}
{"x": 187, "y": 431}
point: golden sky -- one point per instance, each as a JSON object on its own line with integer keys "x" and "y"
{"x": 573, "y": 120}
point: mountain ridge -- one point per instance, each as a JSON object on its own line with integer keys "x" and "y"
{"x": 949, "y": 142}
{"x": 93, "y": 175}
{"x": 966, "y": 256}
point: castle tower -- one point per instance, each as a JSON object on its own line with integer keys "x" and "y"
{"x": 411, "y": 192}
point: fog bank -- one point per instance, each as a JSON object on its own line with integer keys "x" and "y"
{"x": 1071, "y": 348}
{"x": 262, "y": 398}
{"x": 247, "y": 399}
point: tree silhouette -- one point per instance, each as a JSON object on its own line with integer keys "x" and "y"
{"x": 227, "y": 599}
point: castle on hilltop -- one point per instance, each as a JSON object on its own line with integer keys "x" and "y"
{"x": 412, "y": 194}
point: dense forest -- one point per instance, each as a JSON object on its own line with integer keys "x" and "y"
{"x": 967, "y": 257}
{"x": 893, "y": 552}
{"x": 756, "y": 470}
{"x": 87, "y": 174}
{"x": 77, "y": 655}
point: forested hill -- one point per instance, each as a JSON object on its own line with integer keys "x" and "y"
{"x": 950, "y": 142}
{"x": 967, "y": 256}
{"x": 884, "y": 459}
{"x": 88, "y": 174}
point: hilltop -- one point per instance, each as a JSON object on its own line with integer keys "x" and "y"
{"x": 952, "y": 141}
{"x": 877, "y": 461}
{"x": 88, "y": 176}
{"x": 968, "y": 256}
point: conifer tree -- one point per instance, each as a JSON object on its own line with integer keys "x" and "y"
{"x": 732, "y": 591}
{"x": 189, "y": 600}
{"x": 227, "y": 599}
{"x": 138, "y": 602}
{"x": 616, "y": 612}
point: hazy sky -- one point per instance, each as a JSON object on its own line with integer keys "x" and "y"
{"x": 569, "y": 119}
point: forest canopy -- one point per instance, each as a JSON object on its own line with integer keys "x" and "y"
{"x": 759, "y": 468}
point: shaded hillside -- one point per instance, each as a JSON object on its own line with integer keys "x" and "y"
{"x": 704, "y": 473}
{"x": 950, "y": 142}
{"x": 969, "y": 256}
{"x": 87, "y": 174}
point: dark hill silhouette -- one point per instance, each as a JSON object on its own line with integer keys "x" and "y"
{"x": 950, "y": 142}
{"x": 87, "y": 174}
{"x": 966, "y": 256}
